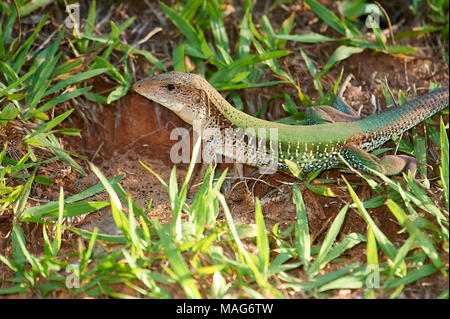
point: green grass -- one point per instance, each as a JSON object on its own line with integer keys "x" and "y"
{"x": 203, "y": 250}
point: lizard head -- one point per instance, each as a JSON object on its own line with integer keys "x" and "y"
{"x": 183, "y": 93}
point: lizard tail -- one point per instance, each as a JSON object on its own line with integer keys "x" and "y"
{"x": 399, "y": 119}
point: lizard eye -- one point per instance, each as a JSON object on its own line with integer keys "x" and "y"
{"x": 170, "y": 87}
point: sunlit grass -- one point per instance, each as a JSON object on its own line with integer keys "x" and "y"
{"x": 203, "y": 252}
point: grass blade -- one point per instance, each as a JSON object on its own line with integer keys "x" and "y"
{"x": 195, "y": 37}
{"x": 69, "y": 210}
{"x": 75, "y": 79}
{"x": 305, "y": 38}
{"x": 49, "y": 125}
{"x": 56, "y": 245}
{"x": 262, "y": 241}
{"x": 302, "y": 237}
{"x": 385, "y": 244}
{"x": 219, "y": 32}
{"x": 372, "y": 251}
{"x": 312, "y": 70}
{"x": 341, "y": 53}
{"x": 57, "y": 100}
{"x": 327, "y": 16}
{"x": 412, "y": 276}
{"x": 424, "y": 242}
{"x": 330, "y": 237}
{"x": 178, "y": 264}
{"x": 230, "y": 71}
{"x": 444, "y": 162}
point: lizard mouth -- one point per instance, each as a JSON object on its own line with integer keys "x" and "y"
{"x": 138, "y": 87}
{"x": 171, "y": 105}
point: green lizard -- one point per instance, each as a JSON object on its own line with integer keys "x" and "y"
{"x": 337, "y": 131}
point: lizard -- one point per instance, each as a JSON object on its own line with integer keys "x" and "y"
{"x": 336, "y": 132}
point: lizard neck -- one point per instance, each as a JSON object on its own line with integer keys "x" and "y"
{"x": 331, "y": 133}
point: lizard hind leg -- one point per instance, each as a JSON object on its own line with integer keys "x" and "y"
{"x": 395, "y": 164}
{"x": 327, "y": 114}
{"x": 339, "y": 112}
{"x": 388, "y": 165}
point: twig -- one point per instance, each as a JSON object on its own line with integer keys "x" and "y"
{"x": 391, "y": 33}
